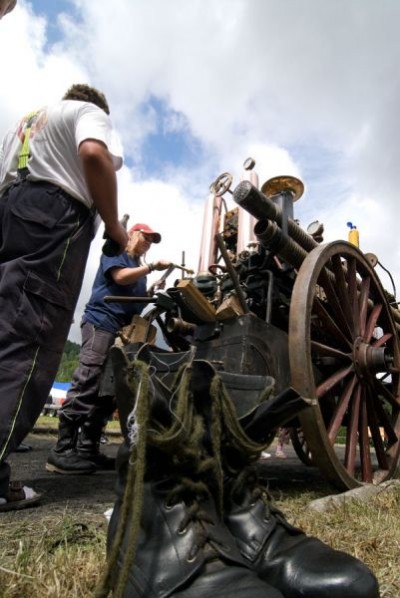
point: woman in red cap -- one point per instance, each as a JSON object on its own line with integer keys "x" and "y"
{"x": 84, "y": 413}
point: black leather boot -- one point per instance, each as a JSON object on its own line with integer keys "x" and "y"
{"x": 176, "y": 545}
{"x": 183, "y": 548}
{"x": 299, "y": 565}
{"x": 63, "y": 458}
{"x": 88, "y": 445}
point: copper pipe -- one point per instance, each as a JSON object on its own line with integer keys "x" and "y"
{"x": 211, "y": 225}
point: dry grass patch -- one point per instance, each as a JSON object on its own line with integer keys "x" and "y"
{"x": 52, "y": 557}
{"x": 369, "y": 531}
{"x": 64, "y": 556}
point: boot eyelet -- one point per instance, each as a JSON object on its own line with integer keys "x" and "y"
{"x": 182, "y": 532}
{"x": 191, "y": 559}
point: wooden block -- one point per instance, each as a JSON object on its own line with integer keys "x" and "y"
{"x": 138, "y": 331}
{"x": 229, "y": 308}
{"x": 196, "y": 301}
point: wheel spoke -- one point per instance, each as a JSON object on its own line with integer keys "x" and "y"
{"x": 335, "y": 303}
{"x": 372, "y": 320}
{"x": 353, "y": 294}
{"x": 382, "y": 340}
{"x": 330, "y": 325}
{"x": 383, "y": 417}
{"x": 337, "y": 418}
{"x": 363, "y": 302}
{"x": 382, "y": 389}
{"x": 352, "y": 433}
{"x": 323, "y": 349}
{"x": 376, "y": 436}
{"x": 330, "y": 382}
{"x": 365, "y": 454}
{"x": 342, "y": 290}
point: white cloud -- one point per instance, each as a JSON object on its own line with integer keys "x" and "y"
{"x": 308, "y": 88}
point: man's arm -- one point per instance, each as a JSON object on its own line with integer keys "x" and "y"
{"x": 101, "y": 180}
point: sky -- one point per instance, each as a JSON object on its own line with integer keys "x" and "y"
{"x": 308, "y": 88}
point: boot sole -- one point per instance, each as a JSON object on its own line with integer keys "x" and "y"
{"x": 55, "y": 469}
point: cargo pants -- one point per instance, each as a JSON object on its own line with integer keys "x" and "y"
{"x": 45, "y": 237}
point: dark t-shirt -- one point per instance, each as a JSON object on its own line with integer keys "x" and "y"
{"x": 113, "y": 316}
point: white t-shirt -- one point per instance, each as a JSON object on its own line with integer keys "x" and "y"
{"x": 56, "y": 133}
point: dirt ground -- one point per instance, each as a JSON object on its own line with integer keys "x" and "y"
{"x": 95, "y": 492}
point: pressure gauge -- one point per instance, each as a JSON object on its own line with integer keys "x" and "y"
{"x": 316, "y": 228}
{"x": 249, "y": 164}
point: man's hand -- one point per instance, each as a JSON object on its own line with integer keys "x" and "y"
{"x": 118, "y": 234}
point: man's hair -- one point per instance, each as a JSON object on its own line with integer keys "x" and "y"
{"x": 85, "y": 93}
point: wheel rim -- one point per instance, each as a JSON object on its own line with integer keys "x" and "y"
{"x": 300, "y": 446}
{"x": 344, "y": 355}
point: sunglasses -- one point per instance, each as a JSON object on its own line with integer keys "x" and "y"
{"x": 147, "y": 237}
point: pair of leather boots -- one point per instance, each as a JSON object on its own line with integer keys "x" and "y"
{"x": 77, "y": 450}
{"x": 191, "y": 520}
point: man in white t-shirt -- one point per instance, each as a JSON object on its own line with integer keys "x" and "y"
{"x": 57, "y": 170}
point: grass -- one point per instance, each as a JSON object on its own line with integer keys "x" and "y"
{"x": 369, "y": 531}
{"x": 64, "y": 555}
{"x": 53, "y": 557}
{"x": 45, "y": 421}
{"x": 59, "y": 556}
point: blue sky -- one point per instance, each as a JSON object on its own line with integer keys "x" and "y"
{"x": 50, "y": 9}
{"x": 197, "y": 86}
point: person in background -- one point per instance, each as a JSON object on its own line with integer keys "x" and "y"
{"x": 83, "y": 415}
{"x": 283, "y": 439}
{"x": 6, "y": 6}
{"x": 57, "y": 170}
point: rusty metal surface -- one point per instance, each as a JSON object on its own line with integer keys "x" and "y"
{"x": 247, "y": 345}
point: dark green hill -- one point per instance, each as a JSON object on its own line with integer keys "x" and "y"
{"x": 69, "y": 361}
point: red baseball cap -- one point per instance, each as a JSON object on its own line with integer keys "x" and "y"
{"x": 145, "y": 228}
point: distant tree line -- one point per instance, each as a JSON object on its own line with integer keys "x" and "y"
{"x": 69, "y": 362}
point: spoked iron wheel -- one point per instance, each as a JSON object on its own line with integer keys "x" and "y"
{"x": 344, "y": 355}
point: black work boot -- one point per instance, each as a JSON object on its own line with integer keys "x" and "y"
{"x": 88, "y": 446}
{"x": 63, "y": 458}
{"x": 166, "y": 537}
{"x": 300, "y": 566}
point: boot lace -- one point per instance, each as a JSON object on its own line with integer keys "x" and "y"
{"x": 190, "y": 464}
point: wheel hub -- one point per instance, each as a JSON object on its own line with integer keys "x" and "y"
{"x": 369, "y": 360}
